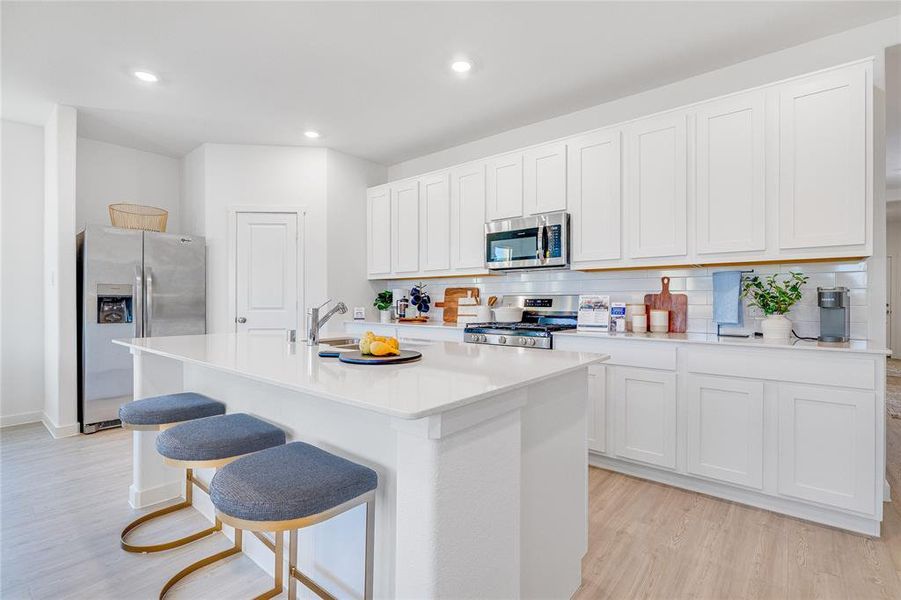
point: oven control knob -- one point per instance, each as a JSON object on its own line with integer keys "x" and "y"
{"x": 481, "y": 338}
{"x": 523, "y": 341}
{"x": 502, "y": 340}
{"x": 531, "y": 342}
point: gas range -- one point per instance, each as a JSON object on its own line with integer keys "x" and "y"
{"x": 542, "y": 316}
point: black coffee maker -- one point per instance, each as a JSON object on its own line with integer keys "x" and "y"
{"x": 835, "y": 314}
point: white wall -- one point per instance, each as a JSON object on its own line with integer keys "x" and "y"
{"x": 193, "y": 191}
{"x": 347, "y": 180}
{"x": 107, "y": 173}
{"x": 60, "y": 358}
{"x": 22, "y": 268}
{"x": 893, "y": 249}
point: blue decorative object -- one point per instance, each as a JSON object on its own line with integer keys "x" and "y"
{"x": 420, "y": 299}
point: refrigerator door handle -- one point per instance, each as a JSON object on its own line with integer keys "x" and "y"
{"x": 148, "y": 274}
{"x": 139, "y": 302}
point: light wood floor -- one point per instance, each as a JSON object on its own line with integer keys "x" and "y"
{"x": 63, "y": 502}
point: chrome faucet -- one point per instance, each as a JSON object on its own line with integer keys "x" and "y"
{"x": 314, "y": 323}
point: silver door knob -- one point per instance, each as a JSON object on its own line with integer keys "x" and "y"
{"x": 242, "y": 320}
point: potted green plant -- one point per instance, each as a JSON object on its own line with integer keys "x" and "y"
{"x": 774, "y": 298}
{"x": 384, "y": 302}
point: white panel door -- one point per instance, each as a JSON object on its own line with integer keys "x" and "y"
{"x": 505, "y": 188}
{"x": 544, "y": 180}
{"x": 725, "y": 429}
{"x": 731, "y": 171}
{"x": 645, "y": 412}
{"x": 434, "y": 223}
{"x": 595, "y": 201}
{"x": 405, "y": 228}
{"x": 378, "y": 232}
{"x": 823, "y": 166}
{"x": 468, "y": 217}
{"x": 597, "y": 408}
{"x": 656, "y": 187}
{"x": 266, "y": 272}
{"x": 827, "y": 451}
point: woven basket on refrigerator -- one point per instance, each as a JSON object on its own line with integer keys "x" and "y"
{"x": 136, "y": 216}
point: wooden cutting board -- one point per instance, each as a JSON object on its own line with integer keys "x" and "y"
{"x": 676, "y": 304}
{"x": 452, "y": 295}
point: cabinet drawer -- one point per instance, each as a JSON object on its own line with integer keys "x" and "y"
{"x": 823, "y": 368}
{"x": 648, "y": 355}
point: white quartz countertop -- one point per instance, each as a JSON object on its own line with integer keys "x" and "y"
{"x": 448, "y": 376}
{"x": 859, "y": 346}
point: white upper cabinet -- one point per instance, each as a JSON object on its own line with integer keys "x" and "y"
{"x": 594, "y": 196}
{"x": 656, "y": 191}
{"x": 468, "y": 217}
{"x": 544, "y": 182}
{"x": 823, "y": 174}
{"x": 378, "y": 231}
{"x": 505, "y": 186}
{"x": 731, "y": 175}
{"x": 434, "y": 223}
{"x": 404, "y": 230}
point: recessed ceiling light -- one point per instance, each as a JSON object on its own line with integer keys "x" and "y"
{"x": 146, "y": 76}
{"x": 312, "y": 134}
{"x": 461, "y": 66}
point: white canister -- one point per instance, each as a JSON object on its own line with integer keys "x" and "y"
{"x": 640, "y": 323}
{"x": 483, "y": 313}
{"x": 635, "y": 309}
{"x": 659, "y": 321}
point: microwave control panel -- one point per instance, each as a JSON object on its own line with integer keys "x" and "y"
{"x": 554, "y": 242}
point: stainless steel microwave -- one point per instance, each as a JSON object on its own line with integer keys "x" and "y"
{"x": 536, "y": 242}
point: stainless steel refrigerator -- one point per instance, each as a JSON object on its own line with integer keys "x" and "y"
{"x": 130, "y": 284}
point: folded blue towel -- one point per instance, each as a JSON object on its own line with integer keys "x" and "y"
{"x": 727, "y": 309}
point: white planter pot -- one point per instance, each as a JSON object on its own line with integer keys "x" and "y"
{"x": 385, "y": 316}
{"x": 776, "y": 327}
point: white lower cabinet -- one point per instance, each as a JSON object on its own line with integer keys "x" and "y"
{"x": 645, "y": 415}
{"x": 724, "y": 419}
{"x": 597, "y": 408}
{"x": 827, "y": 448}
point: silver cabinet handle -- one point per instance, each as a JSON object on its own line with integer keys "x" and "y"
{"x": 138, "y": 309}
{"x": 149, "y": 284}
{"x": 241, "y": 320}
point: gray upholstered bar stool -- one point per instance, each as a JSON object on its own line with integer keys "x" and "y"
{"x": 288, "y": 488}
{"x": 155, "y": 414}
{"x": 211, "y": 443}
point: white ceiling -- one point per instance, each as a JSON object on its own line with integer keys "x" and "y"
{"x": 372, "y": 77}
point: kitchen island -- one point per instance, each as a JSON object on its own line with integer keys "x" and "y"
{"x": 481, "y": 454}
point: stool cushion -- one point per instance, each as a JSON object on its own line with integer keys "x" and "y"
{"x": 215, "y": 438}
{"x": 171, "y": 408}
{"x": 288, "y": 482}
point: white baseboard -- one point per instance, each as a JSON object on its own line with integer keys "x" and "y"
{"x": 155, "y": 495}
{"x": 60, "y": 431}
{"x": 795, "y": 508}
{"x": 20, "y": 418}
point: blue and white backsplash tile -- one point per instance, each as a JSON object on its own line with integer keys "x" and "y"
{"x": 697, "y": 284}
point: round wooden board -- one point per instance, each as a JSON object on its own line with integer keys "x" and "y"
{"x": 358, "y": 358}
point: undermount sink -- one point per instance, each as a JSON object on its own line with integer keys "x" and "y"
{"x": 344, "y": 343}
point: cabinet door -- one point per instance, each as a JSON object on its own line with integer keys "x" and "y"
{"x": 544, "y": 187}
{"x": 378, "y": 231}
{"x": 434, "y": 223}
{"x": 405, "y": 227}
{"x": 731, "y": 171}
{"x": 827, "y": 450}
{"x": 597, "y": 408}
{"x": 656, "y": 187}
{"x": 823, "y": 166}
{"x": 595, "y": 203}
{"x": 468, "y": 217}
{"x": 725, "y": 429}
{"x": 505, "y": 186}
{"x": 645, "y": 406}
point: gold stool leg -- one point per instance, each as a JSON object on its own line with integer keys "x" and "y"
{"x": 186, "y": 503}
{"x": 235, "y": 549}
{"x": 279, "y": 568}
